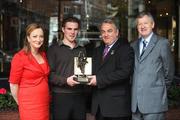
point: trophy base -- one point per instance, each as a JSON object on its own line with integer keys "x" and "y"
{"x": 82, "y": 79}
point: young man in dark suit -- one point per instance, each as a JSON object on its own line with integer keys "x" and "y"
{"x": 112, "y": 67}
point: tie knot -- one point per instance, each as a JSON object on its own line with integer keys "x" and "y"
{"x": 107, "y": 47}
{"x": 144, "y": 42}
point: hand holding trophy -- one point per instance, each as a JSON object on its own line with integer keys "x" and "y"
{"x": 82, "y": 68}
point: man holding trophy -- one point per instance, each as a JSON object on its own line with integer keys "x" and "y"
{"x": 112, "y": 68}
{"x": 67, "y": 71}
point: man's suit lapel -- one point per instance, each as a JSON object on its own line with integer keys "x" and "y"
{"x": 99, "y": 54}
{"x": 110, "y": 53}
{"x": 149, "y": 48}
{"x": 136, "y": 50}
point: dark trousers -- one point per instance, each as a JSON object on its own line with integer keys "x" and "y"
{"x": 99, "y": 116}
{"x": 68, "y": 106}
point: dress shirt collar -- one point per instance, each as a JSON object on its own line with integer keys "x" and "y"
{"x": 110, "y": 46}
{"x": 147, "y": 39}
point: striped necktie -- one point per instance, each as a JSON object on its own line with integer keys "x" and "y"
{"x": 144, "y": 47}
{"x": 105, "y": 51}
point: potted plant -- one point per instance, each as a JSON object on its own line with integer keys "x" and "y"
{"x": 6, "y": 100}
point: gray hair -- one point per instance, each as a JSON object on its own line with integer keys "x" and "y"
{"x": 142, "y": 14}
{"x": 110, "y": 21}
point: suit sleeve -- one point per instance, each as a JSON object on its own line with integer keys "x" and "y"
{"x": 123, "y": 69}
{"x": 168, "y": 62}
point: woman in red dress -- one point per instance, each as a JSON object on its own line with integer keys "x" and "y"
{"x": 29, "y": 76}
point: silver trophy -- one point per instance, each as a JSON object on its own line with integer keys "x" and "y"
{"x": 82, "y": 68}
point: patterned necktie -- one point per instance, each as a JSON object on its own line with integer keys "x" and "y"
{"x": 105, "y": 51}
{"x": 144, "y": 47}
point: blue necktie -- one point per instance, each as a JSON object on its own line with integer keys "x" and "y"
{"x": 144, "y": 47}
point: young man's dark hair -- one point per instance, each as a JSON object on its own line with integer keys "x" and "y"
{"x": 71, "y": 19}
{"x": 68, "y": 98}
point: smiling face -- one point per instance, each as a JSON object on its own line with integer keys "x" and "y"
{"x": 145, "y": 26}
{"x": 109, "y": 33}
{"x": 36, "y": 39}
{"x": 70, "y": 31}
